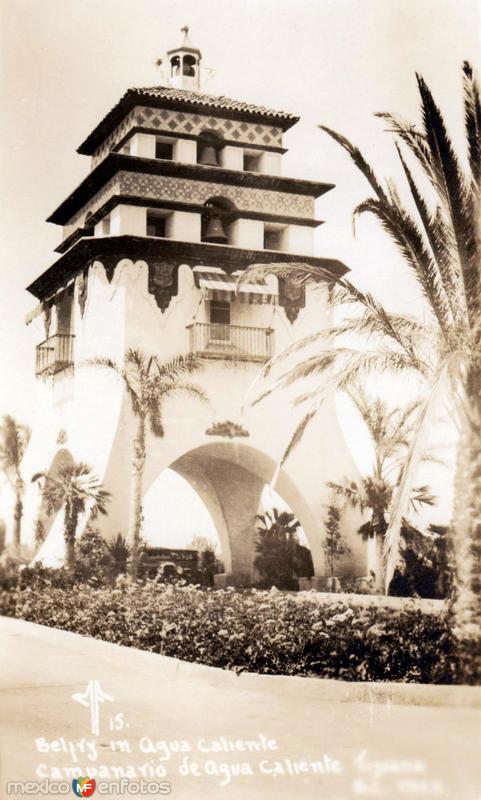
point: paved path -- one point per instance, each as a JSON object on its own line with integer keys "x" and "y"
{"x": 285, "y": 737}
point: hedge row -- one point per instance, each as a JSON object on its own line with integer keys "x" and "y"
{"x": 258, "y": 631}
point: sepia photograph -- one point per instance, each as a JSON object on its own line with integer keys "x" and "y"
{"x": 240, "y": 399}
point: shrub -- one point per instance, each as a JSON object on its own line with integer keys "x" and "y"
{"x": 280, "y": 559}
{"x": 93, "y": 562}
{"x": 263, "y": 632}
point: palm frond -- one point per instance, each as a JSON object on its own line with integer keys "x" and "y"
{"x": 135, "y": 358}
{"x": 402, "y": 495}
{"x": 298, "y": 434}
{"x": 189, "y": 389}
{"x": 178, "y": 367}
{"x": 349, "y": 491}
{"x": 445, "y": 256}
{"x": 421, "y": 496}
{"x": 129, "y": 375}
{"x": 363, "y": 166}
{"x": 406, "y": 235}
{"x": 14, "y": 439}
{"x": 412, "y": 138}
{"x": 472, "y": 116}
{"x": 452, "y": 184}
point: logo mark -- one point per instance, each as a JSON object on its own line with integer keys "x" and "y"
{"x": 92, "y": 698}
{"x": 83, "y": 787}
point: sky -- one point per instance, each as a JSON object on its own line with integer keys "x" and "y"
{"x": 64, "y": 63}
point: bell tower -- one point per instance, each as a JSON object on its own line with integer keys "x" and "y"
{"x": 184, "y": 64}
{"x": 185, "y": 191}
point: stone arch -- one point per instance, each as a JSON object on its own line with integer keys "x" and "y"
{"x": 229, "y": 477}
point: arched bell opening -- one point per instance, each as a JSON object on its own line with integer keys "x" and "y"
{"x": 209, "y": 146}
{"x": 189, "y": 66}
{"x": 175, "y": 66}
{"x": 217, "y": 216}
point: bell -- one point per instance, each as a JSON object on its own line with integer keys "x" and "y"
{"x": 208, "y": 156}
{"x": 215, "y": 232}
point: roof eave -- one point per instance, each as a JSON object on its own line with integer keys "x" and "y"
{"x": 132, "y": 97}
{"x": 116, "y": 162}
{"x": 126, "y": 246}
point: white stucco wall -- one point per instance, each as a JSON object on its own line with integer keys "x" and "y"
{"x": 298, "y": 239}
{"x": 143, "y": 145}
{"x": 89, "y": 405}
{"x": 271, "y": 163}
{"x": 247, "y": 233}
{"x": 184, "y": 226}
{"x": 232, "y": 157}
{"x": 185, "y": 151}
{"x": 127, "y": 219}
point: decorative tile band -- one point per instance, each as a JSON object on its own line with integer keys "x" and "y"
{"x": 109, "y": 190}
{"x": 183, "y": 190}
{"x": 192, "y": 124}
{"x": 160, "y": 187}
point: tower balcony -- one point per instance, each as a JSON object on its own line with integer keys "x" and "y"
{"x": 231, "y": 342}
{"x": 54, "y": 354}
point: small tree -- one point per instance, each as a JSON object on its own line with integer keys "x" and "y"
{"x": 76, "y": 488}
{"x": 94, "y": 563}
{"x": 14, "y": 439}
{"x": 334, "y": 545}
{"x": 148, "y": 383}
{"x": 208, "y": 562}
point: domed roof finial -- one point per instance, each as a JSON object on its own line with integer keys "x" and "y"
{"x": 185, "y": 63}
{"x": 186, "y": 42}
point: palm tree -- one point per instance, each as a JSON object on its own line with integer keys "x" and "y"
{"x": 391, "y": 432}
{"x": 14, "y": 439}
{"x": 148, "y": 383}
{"x": 440, "y": 241}
{"x": 75, "y": 487}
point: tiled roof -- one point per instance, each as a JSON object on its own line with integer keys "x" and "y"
{"x": 183, "y": 99}
{"x": 213, "y": 101}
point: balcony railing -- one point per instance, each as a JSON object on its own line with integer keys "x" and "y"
{"x": 235, "y": 342}
{"x": 54, "y": 354}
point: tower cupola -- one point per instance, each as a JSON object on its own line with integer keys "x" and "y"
{"x": 184, "y": 64}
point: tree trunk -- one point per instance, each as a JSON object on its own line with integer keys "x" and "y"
{"x": 71, "y": 519}
{"x": 380, "y": 569}
{"x": 17, "y": 522}
{"x": 465, "y": 603}
{"x": 136, "y": 498}
{"x": 379, "y": 527}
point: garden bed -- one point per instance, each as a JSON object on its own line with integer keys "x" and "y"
{"x": 255, "y": 631}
